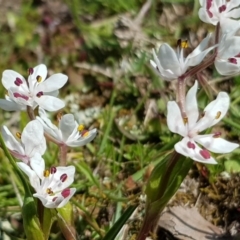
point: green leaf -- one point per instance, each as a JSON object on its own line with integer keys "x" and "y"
{"x": 232, "y": 166}
{"x": 165, "y": 180}
{"x": 48, "y": 219}
{"x": 112, "y": 233}
{"x": 65, "y": 221}
{"x": 84, "y": 168}
{"x": 30, "y": 220}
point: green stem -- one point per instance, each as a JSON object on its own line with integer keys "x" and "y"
{"x": 63, "y": 155}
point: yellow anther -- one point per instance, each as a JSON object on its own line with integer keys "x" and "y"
{"x": 184, "y": 44}
{"x": 49, "y": 191}
{"x": 185, "y": 120}
{"x": 18, "y": 135}
{"x": 39, "y": 78}
{"x": 6, "y": 93}
{"x": 80, "y": 127}
{"x": 218, "y": 115}
{"x": 46, "y": 173}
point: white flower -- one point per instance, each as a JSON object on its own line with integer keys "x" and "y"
{"x": 170, "y": 64}
{"x": 32, "y": 141}
{"x": 227, "y": 61}
{"x": 37, "y": 90}
{"x": 191, "y": 127}
{"x": 222, "y": 11}
{"x": 51, "y": 185}
{"x": 68, "y": 132}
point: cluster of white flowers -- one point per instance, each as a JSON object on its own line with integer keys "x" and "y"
{"x": 183, "y": 115}
{"x": 51, "y": 185}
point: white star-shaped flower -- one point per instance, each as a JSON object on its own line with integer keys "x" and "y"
{"x": 222, "y": 11}
{"x": 51, "y": 185}
{"x": 68, "y": 132}
{"x": 171, "y": 64}
{"x": 30, "y": 142}
{"x": 190, "y": 127}
{"x": 35, "y": 91}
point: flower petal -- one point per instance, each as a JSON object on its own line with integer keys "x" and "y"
{"x": 38, "y": 71}
{"x": 33, "y": 178}
{"x": 174, "y": 119}
{"x": 199, "y": 52}
{"x": 65, "y": 200}
{"x": 48, "y": 126}
{"x": 33, "y": 138}
{"x": 217, "y": 145}
{"x": 193, "y": 152}
{"x": 50, "y": 103}
{"x": 37, "y": 163}
{"x": 10, "y": 76}
{"x": 11, "y": 105}
{"x": 69, "y": 171}
{"x": 214, "y": 112}
{"x": 11, "y": 142}
{"x": 56, "y": 81}
{"x": 81, "y": 140}
{"x": 192, "y": 106}
{"x": 67, "y": 124}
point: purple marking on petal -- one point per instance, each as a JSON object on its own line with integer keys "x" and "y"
{"x": 39, "y": 94}
{"x": 30, "y": 71}
{"x": 191, "y": 145}
{"x": 66, "y": 192}
{"x": 217, "y": 134}
{"x": 232, "y": 60}
{"x": 63, "y": 178}
{"x": 209, "y": 4}
{"x": 205, "y": 154}
{"x": 18, "y": 81}
{"x": 18, "y": 95}
{"x": 238, "y": 55}
{"x": 222, "y": 8}
{"x": 53, "y": 170}
{"x": 54, "y": 199}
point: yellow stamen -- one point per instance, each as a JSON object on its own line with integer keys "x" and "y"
{"x": 46, "y": 173}
{"x": 49, "y": 191}
{"x": 6, "y": 93}
{"x": 18, "y": 135}
{"x": 218, "y": 115}
{"x": 185, "y": 120}
{"x": 80, "y": 127}
{"x": 184, "y": 44}
{"x": 39, "y": 78}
